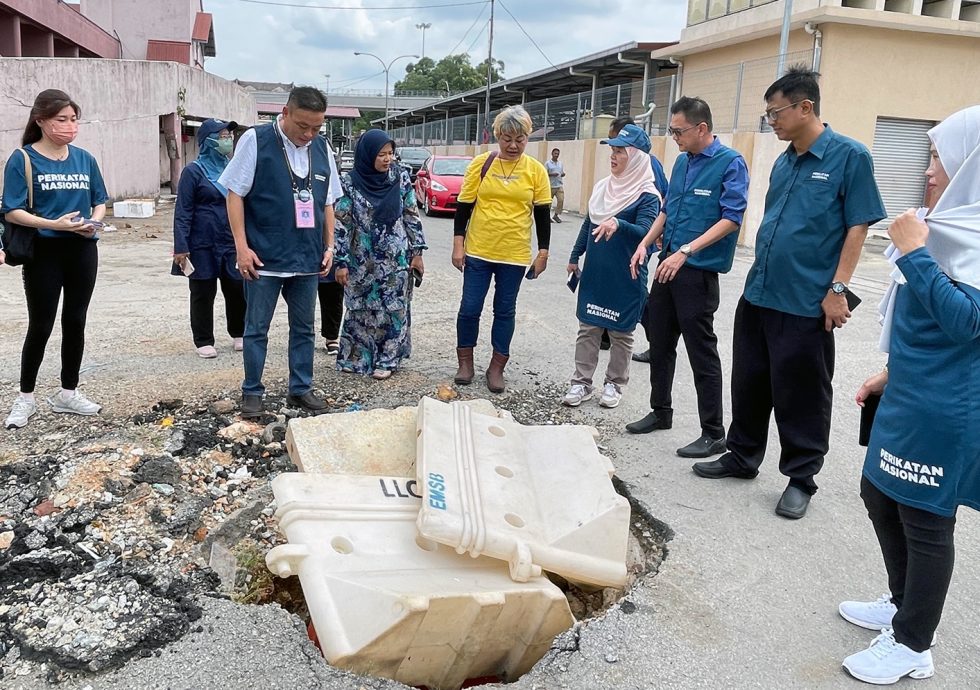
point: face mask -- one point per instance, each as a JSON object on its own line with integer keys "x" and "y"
{"x": 61, "y": 133}
{"x": 225, "y": 146}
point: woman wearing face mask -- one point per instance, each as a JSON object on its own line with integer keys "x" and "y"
{"x": 204, "y": 249}
{"x": 68, "y": 194}
{"x": 923, "y": 461}
{"x": 504, "y": 192}
{"x": 379, "y": 245}
{"x": 622, "y": 208}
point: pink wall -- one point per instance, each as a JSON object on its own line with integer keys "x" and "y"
{"x": 58, "y": 18}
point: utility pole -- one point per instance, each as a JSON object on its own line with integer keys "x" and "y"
{"x": 486, "y": 113}
{"x": 784, "y": 37}
{"x": 423, "y": 26}
{"x": 387, "y": 68}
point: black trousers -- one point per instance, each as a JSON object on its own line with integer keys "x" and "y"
{"x": 918, "y": 550}
{"x": 783, "y": 363}
{"x": 203, "y": 293}
{"x": 331, "y": 309}
{"x": 686, "y": 306}
{"x": 65, "y": 265}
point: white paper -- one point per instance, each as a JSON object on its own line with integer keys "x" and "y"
{"x": 188, "y": 267}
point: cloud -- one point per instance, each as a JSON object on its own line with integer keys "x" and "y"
{"x": 295, "y": 44}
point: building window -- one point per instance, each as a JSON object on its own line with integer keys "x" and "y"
{"x": 697, "y": 11}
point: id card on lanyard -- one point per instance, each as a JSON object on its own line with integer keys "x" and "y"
{"x": 302, "y": 198}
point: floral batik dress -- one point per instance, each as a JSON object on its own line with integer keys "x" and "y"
{"x": 376, "y": 331}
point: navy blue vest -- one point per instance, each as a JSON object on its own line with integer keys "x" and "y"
{"x": 693, "y": 210}
{"x": 270, "y": 212}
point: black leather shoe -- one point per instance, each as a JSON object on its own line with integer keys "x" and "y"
{"x": 642, "y": 356}
{"x": 307, "y": 401}
{"x": 651, "y": 422}
{"x": 704, "y": 447}
{"x": 604, "y": 342}
{"x": 793, "y": 503}
{"x": 252, "y": 406}
{"x": 716, "y": 469}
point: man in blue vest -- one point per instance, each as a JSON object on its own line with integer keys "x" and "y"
{"x": 822, "y": 197}
{"x": 280, "y": 206}
{"x": 706, "y": 198}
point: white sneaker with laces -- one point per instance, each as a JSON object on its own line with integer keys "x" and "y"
{"x": 76, "y": 404}
{"x": 576, "y": 395}
{"x": 20, "y": 413}
{"x": 887, "y": 661}
{"x": 873, "y": 615}
{"x": 610, "y": 396}
{"x": 207, "y": 352}
{"x": 238, "y": 344}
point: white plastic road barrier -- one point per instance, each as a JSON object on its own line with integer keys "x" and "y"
{"x": 372, "y": 442}
{"x": 538, "y": 497}
{"x": 389, "y": 603}
{"x": 133, "y": 208}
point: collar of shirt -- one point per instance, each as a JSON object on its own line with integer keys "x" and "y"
{"x": 709, "y": 151}
{"x": 819, "y": 146}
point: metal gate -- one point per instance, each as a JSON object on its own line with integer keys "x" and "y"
{"x": 901, "y": 156}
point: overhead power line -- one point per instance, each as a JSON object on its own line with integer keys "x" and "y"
{"x": 533, "y": 42}
{"x": 460, "y": 42}
{"x": 479, "y": 35}
{"x": 367, "y": 9}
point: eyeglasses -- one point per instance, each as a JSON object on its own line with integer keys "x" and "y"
{"x": 674, "y": 132}
{"x": 773, "y": 113}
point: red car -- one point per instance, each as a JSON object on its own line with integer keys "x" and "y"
{"x": 438, "y": 181}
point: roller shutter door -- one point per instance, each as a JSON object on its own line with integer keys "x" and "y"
{"x": 901, "y": 156}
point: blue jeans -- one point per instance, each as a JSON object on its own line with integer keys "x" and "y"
{"x": 476, "y": 283}
{"x": 261, "y": 296}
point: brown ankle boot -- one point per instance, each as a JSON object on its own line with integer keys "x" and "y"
{"x": 464, "y": 375}
{"x": 495, "y": 373}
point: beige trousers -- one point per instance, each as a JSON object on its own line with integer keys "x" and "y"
{"x": 587, "y": 356}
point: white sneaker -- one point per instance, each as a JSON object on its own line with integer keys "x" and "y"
{"x": 238, "y": 344}
{"x": 610, "y": 396}
{"x": 873, "y": 615}
{"x": 207, "y": 352}
{"x": 576, "y": 395}
{"x": 887, "y": 661}
{"x": 20, "y": 413}
{"x": 76, "y": 404}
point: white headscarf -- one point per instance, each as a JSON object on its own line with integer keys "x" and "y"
{"x": 954, "y": 223}
{"x": 614, "y": 193}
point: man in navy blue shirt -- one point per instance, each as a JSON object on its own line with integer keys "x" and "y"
{"x": 699, "y": 225}
{"x": 822, "y": 197}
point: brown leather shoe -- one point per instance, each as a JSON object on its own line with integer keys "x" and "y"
{"x": 495, "y": 373}
{"x": 464, "y": 375}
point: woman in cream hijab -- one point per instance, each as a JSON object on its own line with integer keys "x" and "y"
{"x": 622, "y": 208}
{"x": 923, "y": 460}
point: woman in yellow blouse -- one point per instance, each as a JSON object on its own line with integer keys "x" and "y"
{"x": 503, "y": 193}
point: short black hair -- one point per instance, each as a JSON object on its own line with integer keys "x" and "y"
{"x": 307, "y": 98}
{"x": 798, "y": 84}
{"x": 556, "y": 149}
{"x": 695, "y": 110}
{"x": 617, "y": 125}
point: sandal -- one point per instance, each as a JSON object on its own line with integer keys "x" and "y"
{"x": 333, "y": 347}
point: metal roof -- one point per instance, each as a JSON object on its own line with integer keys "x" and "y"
{"x": 168, "y": 51}
{"x": 204, "y": 32}
{"x": 617, "y": 65}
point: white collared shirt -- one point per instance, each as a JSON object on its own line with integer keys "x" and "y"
{"x": 240, "y": 173}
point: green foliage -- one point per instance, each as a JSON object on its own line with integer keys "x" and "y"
{"x": 454, "y": 71}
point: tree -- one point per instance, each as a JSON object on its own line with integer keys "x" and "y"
{"x": 454, "y": 71}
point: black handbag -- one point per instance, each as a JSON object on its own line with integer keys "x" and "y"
{"x": 18, "y": 244}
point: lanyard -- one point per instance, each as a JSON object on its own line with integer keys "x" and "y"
{"x": 301, "y": 194}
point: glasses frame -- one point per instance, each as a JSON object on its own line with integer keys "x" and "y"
{"x": 674, "y": 132}
{"x": 772, "y": 114}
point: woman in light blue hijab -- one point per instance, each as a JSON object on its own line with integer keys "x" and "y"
{"x": 204, "y": 249}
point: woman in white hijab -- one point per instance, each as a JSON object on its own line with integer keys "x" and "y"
{"x": 923, "y": 460}
{"x": 622, "y": 208}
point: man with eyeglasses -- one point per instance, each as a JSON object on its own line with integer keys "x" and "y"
{"x": 706, "y": 199}
{"x": 822, "y": 197}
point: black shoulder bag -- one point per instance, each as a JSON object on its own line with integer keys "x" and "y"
{"x": 19, "y": 245}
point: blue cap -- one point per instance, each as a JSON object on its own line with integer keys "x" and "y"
{"x": 630, "y": 135}
{"x": 209, "y": 127}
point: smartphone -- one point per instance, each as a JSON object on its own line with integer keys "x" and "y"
{"x": 97, "y": 224}
{"x": 417, "y": 274}
{"x": 530, "y": 274}
{"x": 573, "y": 279}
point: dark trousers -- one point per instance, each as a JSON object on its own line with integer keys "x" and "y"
{"x": 477, "y": 274}
{"x": 783, "y": 363}
{"x": 686, "y": 306}
{"x": 918, "y": 550}
{"x": 60, "y": 266}
{"x": 203, "y": 293}
{"x": 331, "y": 309}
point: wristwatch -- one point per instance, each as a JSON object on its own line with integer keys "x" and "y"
{"x": 838, "y": 288}
{"x": 686, "y": 250}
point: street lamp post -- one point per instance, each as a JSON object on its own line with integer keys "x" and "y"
{"x": 386, "y": 69}
{"x": 423, "y": 26}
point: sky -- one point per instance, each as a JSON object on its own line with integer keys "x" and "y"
{"x": 293, "y": 41}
